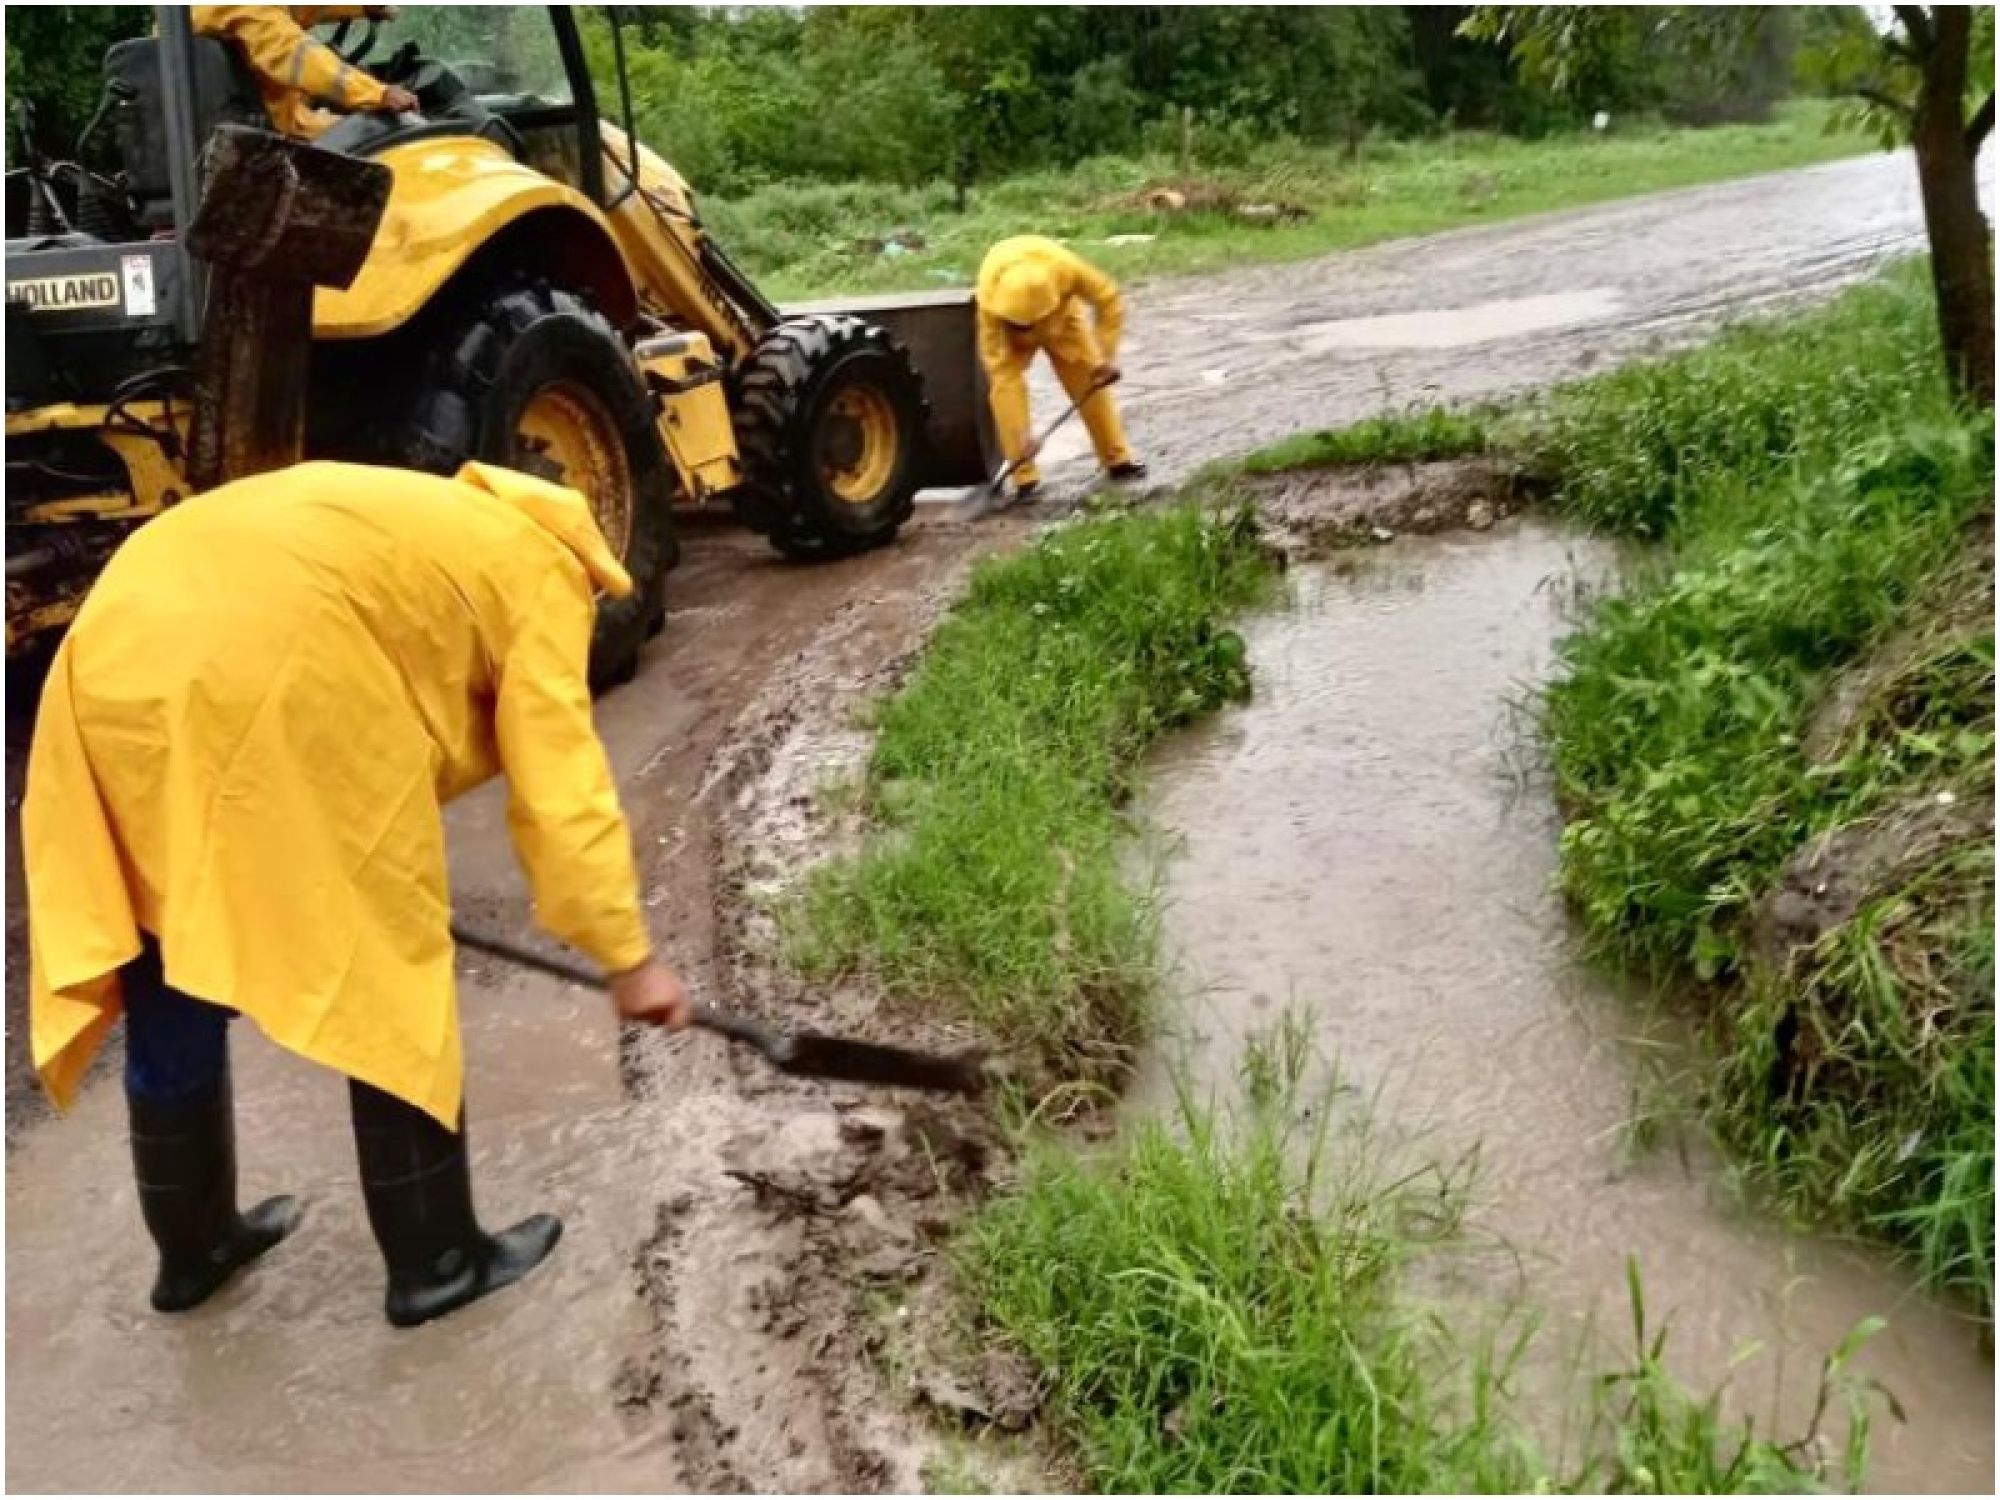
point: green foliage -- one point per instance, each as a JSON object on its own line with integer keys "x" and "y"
{"x": 55, "y": 61}
{"x": 1000, "y": 772}
{"x": 1221, "y": 1305}
{"x": 1828, "y": 512}
{"x": 1434, "y": 432}
{"x": 1698, "y": 64}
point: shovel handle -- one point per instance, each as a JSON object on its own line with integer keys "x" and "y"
{"x": 773, "y": 1044}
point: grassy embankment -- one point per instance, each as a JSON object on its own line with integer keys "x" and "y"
{"x": 1207, "y": 1317}
{"x": 1775, "y": 750}
{"x": 804, "y": 240}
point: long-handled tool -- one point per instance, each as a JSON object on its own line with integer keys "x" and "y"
{"x": 805, "y": 1053}
{"x": 983, "y": 500}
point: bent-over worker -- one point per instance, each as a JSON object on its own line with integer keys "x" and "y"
{"x": 294, "y": 68}
{"x": 1031, "y": 296}
{"x": 234, "y": 804}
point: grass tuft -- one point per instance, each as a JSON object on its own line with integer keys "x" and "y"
{"x": 1220, "y": 1306}
{"x": 1436, "y": 432}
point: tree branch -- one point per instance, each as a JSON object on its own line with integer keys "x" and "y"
{"x": 1979, "y": 126}
{"x": 1916, "y": 23}
{"x": 1884, "y": 100}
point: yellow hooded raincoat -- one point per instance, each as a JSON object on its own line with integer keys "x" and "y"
{"x": 293, "y": 67}
{"x": 247, "y": 736}
{"x": 1031, "y": 296}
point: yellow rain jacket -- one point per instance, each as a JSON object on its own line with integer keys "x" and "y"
{"x": 293, "y": 67}
{"x": 247, "y": 737}
{"x": 1031, "y": 296}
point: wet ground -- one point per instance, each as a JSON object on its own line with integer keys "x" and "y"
{"x": 715, "y": 1316}
{"x": 1370, "y": 843}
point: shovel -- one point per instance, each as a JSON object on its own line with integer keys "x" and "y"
{"x": 983, "y": 501}
{"x": 803, "y": 1053}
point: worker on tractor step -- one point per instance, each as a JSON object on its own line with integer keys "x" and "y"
{"x": 295, "y": 68}
{"x": 1031, "y": 296}
{"x": 234, "y": 807}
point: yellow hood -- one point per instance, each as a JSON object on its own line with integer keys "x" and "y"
{"x": 1024, "y": 293}
{"x": 561, "y": 512}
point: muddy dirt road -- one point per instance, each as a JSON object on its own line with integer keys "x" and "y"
{"x": 699, "y": 1327}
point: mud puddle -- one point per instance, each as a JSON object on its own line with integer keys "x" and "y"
{"x": 1459, "y": 327}
{"x": 1369, "y": 842}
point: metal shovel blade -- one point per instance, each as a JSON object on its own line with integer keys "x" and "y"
{"x": 809, "y": 1054}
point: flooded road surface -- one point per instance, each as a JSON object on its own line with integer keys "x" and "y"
{"x": 663, "y": 1346}
{"x": 1367, "y": 842}
{"x": 291, "y": 1380}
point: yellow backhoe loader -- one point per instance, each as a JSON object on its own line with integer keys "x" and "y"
{"x": 542, "y": 292}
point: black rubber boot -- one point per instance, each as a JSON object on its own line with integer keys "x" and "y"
{"x": 1132, "y": 468}
{"x": 417, "y": 1181}
{"x": 184, "y": 1157}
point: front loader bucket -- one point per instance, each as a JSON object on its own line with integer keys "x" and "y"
{"x": 939, "y": 329}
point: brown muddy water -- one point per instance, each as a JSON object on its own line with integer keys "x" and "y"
{"x": 1370, "y": 842}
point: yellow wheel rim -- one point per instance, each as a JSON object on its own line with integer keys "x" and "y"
{"x": 858, "y": 447}
{"x": 567, "y": 436}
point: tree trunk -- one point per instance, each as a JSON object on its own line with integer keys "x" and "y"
{"x": 1960, "y": 238}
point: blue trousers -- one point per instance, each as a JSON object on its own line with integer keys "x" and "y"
{"x": 175, "y": 1045}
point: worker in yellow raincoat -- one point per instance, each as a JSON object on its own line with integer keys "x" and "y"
{"x": 294, "y": 68}
{"x": 1032, "y": 294}
{"x": 234, "y": 805}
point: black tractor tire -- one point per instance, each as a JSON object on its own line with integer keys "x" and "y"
{"x": 497, "y": 351}
{"x": 800, "y": 444}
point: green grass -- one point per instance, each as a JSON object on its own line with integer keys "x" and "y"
{"x": 1001, "y": 771}
{"x": 1222, "y": 1304}
{"x": 1435, "y": 432}
{"x": 1715, "y": 428}
{"x": 805, "y": 240}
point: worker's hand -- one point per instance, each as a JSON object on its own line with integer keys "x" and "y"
{"x": 1106, "y": 374}
{"x": 397, "y": 100}
{"x": 652, "y": 993}
{"x": 381, "y": 12}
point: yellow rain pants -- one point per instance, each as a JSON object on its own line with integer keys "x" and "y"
{"x": 293, "y": 68}
{"x": 1031, "y": 296}
{"x": 247, "y": 737}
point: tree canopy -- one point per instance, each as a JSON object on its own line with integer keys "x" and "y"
{"x": 735, "y": 95}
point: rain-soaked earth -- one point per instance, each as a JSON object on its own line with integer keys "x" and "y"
{"x": 742, "y": 1253}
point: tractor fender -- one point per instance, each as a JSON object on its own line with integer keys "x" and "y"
{"x": 461, "y": 199}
